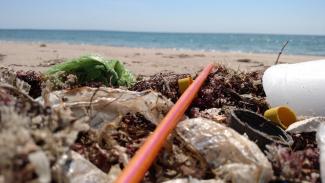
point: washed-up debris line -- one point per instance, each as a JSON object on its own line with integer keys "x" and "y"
{"x": 224, "y": 87}
{"x": 37, "y": 142}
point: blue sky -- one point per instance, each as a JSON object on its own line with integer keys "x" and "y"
{"x": 236, "y": 16}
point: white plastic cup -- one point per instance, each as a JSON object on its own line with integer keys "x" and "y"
{"x": 301, "y": 86}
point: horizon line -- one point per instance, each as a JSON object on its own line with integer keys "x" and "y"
{"x": 157, "y": 32}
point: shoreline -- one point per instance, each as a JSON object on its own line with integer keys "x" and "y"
{"x": 154, "y": 48}
{"x": 22, "y": 55}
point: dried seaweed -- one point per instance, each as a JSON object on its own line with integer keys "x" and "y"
{"x": 223, "y": 87}
{"x": 299, "y": 163}
{"x": 226, "y": 87}
{"x": 87, "y": 145}
{"x": 61, "y": 81}
{"x": 165, "y": 83}
{"x": 34, "y": 79}
{"x": 101, "y": 146}
{"x": 175, "y": 160}
{"x": 116, "y": 143}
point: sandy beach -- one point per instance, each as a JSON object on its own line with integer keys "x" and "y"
{"x": 144, "y": 61}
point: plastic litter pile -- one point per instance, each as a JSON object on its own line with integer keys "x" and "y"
{"x": 83, "y": 120}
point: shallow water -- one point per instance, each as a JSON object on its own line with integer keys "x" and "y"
{"x": 255, "y": 43}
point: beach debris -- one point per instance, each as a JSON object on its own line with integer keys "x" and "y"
{"x": 226, "y": 87}
{"x": 193, "y": 180}
{"x": 184, "y": 83}
{"x": 282, "y": 116}
{"x": 165, "y": 83}
{"x": 81, "y": 170}
{"x": 308, "y": 125}
{"x": 231, "y": 156}
{"x": 147, "y": 153}
{"x": 87, "y": 145}
{"x": 42, "y": 165}
{"x": 103, "y": 104}
{"x": 258, "y": 129}
{"x": 116, "y": 142}
{"x": 176, "y": 159}
{"x": 214, "y": 114}
{"x": 120, "y": 121}
{"x": 33, "y": 138}
{"x": 300, "y": 163}
{"x": 34, "y": 79}
{"x": 9, "y": 77}
{"x": 33, "y": 142}
{"x": 89, "y": 134}
{"x": 284, "y": 45}
{"x": 287, "y": 84}
{"x": 89, "y": 69}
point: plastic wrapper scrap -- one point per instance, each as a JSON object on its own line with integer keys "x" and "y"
{"x": 82, "y": 171}
{"x": 308, "y": 125}
{"x": 105, "y": 104}
{"x": 231, "y": 156}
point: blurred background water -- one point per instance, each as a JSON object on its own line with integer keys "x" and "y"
{"x": 254, "y": 43}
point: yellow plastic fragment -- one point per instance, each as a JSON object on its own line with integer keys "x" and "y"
{"x": 184, "y": 83}
{"x": 281, "y": 115}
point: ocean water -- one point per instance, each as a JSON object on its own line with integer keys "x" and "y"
{"x": 253, "y": 43}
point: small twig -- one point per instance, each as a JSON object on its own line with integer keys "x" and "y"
{"x": 277, "y": 60}
{"x": 91, "y": 101}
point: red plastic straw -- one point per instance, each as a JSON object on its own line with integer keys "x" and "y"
{"x": 142, "y": 160}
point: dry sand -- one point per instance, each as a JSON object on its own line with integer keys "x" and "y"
{"x": 36, "y": 56}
